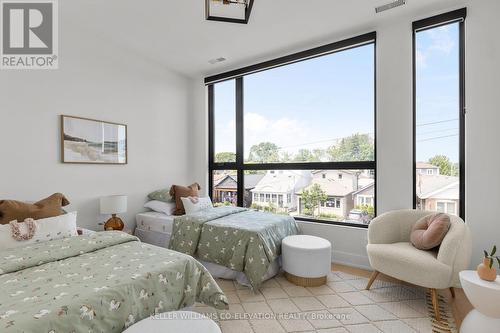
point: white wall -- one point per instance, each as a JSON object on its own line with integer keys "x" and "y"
{"x": 483, "y": 119}
{"x": 102, "y": 81}
{"x": 394, "y": 128}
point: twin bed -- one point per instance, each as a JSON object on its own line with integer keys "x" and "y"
{"x": 104, "y": 282}
{"x": 107, "y": 281}
{"x": 231, "y": 242}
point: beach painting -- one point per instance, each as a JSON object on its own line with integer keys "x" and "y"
{"x": 90, "y": 141}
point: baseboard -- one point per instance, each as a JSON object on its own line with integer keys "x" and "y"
{"x": 349, "y": 259}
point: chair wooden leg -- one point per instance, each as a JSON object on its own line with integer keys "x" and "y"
{"x": 435, "y": 303}
{"x": 452, "y": 291}
{"x": 372, "y": 279}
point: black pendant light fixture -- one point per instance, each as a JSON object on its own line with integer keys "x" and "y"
{"x": 233, "y": 11}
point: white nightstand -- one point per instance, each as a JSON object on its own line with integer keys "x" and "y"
{"x": 485, "y": 296}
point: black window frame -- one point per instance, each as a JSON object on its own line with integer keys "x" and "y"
{"x": 456, "y": 16}
{"x": 240, "y": 166}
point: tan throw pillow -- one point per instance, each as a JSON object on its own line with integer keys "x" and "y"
{"x": 429, "y": 231}
{"x": 17, "y": 210}
{"x": 177, "y": 192}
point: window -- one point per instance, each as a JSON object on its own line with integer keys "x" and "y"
{"x": 447, "y": 207}
{"x": 439, "y": 113}
{"x": 304, "y": 131}
{"x": 225, "y": 122}
{"x": 365, "y": 200}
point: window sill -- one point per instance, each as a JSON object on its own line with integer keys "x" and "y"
{"x": 344, "y": 224}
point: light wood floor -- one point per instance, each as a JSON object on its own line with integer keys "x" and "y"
{"x": 460, "y": 305}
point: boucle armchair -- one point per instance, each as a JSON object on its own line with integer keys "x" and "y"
{"x": 391, "y": 253}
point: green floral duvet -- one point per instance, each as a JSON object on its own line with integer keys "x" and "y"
{"x": 104, "y": 282}
{"x": 241, "y": 239}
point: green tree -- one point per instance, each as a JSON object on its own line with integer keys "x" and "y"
{"x": 357, "y": 147}
{"x": 312, "y": 198}
{"x": 318, "y": 155}
{"x": 455, "y": 169}
{"x": 303, "y": 155}
{"x": 264, "y": 152}
{"x": 444, "y": 164}
{"x": 306, "y": 155}
{"x": 368, "y": 209}
{"x": 285, "y": 157}
{"x": 225, "y": 157}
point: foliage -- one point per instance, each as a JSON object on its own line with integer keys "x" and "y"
{"x": 225, "y": 203}
{"x": 312, "y": 198}
{"x": 357, "y": 147}
{"x": 285, "y": 157}
{"x": 331, "y": 216}
{"x": 223, "y": 157}
{"x": 368, "y": 209}
{"x": 444, "y": 164}
{"x": 271, "y": 209}
{"x": 492, "y": 256}
{"x": 264, "y": 152}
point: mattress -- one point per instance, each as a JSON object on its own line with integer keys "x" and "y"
{"x": 154, "y": 228}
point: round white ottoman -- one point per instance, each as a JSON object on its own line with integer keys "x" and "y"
{"x": 306, "y": 259}
{"x": 176, "y": 321}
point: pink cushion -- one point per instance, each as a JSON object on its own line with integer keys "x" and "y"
{"x": 429, "y": 231}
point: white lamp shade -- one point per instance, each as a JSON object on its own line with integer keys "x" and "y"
{"x": 113, "y": 204}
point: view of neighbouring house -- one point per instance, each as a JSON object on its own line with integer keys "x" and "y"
{"x": 278, "y": 188}
{"x": 427, "y": 169}
{"x": 335, "y": 195}
{"x": 225, "y": 188}
{"x": 436, "y": 192}
{"x": 340, "y": 192}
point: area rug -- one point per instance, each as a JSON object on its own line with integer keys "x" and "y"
{"x": 341, "y": 306}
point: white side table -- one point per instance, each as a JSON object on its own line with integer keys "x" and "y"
{"x": 485, "y": 296}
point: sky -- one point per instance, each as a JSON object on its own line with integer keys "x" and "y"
{"x": 313, "y": 103}
{"x": 438, "y": 92}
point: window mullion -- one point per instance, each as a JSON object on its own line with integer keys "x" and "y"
{"x": 211, "y": 138}
{"x": 239, "y": 140}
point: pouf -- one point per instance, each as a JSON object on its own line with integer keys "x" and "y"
{"x": 306, "y": 259}
{"x": 175, "y": 321}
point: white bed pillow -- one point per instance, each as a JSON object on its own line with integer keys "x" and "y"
{"x": 161, "y": 206}
{"x": 195, "y": 204}
{"x": 50, "y": 228}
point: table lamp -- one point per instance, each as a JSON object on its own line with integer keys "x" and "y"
{"x": 113, "y": 205}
